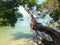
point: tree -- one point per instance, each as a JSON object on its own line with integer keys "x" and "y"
{"x": 8, "y": 14}
{"x": 9, "y": 8}
{"x": 54, "y": 10}
{"x": 39, "y": 27}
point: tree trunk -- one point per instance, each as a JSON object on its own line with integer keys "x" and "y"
{"x": 53, "y": 33}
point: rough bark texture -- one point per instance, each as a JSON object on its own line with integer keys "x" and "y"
{"x": 53, "y": 33}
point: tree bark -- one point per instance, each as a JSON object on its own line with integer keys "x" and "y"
{"x": 53, "y": 33}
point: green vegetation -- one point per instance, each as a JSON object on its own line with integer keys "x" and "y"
{"x": 9, "y": 11}
{"x": 19, "y": 15}
{"x": 8, "y": 15}
{"x": 54, "y": 8}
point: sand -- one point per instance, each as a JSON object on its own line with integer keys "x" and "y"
{"x": 18, "y": 42}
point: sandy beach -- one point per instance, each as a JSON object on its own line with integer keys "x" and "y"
{"x": 21, "y": 34}
{"x": 8, "y": 40}
{"x": 10, "y": 36}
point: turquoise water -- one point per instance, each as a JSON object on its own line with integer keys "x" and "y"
{"x": 23, "y": 24}
{"x": 21, "y": 30}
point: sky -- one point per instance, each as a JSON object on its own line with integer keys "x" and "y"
{"x": 21, "y": 10}
{"x": 25, "y": 14}
{"x": 40, "y": 1}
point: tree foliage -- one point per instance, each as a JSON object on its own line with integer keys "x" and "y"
{"x": 8, "y": 14}
{"x": 54, "y": 8}
{"x": 8, "y": 9}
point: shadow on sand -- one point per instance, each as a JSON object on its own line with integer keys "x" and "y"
{"x": 21, "y": 35}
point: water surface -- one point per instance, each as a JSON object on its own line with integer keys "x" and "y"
{"x": 22, "y": 30}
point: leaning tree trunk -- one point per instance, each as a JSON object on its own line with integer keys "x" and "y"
{"x": 53, "y": 33}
